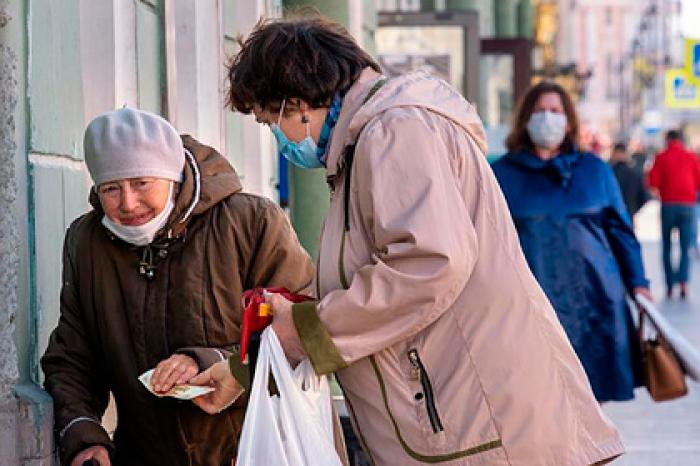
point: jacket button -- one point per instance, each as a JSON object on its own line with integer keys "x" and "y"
{"x": 163, "y": 253}
{"x": 418, "y": 396}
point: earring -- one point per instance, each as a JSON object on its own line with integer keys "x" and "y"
{"x": 304, "y": 119}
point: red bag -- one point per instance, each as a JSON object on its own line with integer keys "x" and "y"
{"x": 252, "y": 321}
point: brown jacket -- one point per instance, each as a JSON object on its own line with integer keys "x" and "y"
{"x": 446, "y": 347}
{"x": 116, "y": 323}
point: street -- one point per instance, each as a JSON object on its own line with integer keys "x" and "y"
{"x": 668, "y": 433}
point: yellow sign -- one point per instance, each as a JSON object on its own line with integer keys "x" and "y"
{"x": 692, "y": 60}
{"x": 680, "y": 92}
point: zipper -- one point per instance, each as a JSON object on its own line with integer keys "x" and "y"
{"x": 427, "y": 390}
{"x": 421, "y": 457}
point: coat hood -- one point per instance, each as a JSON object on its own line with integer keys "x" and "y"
{"x": 207, "y": 179}
{"x": 416, "y": 89}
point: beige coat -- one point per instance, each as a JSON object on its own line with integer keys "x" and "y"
{"x": 446, "y": 347}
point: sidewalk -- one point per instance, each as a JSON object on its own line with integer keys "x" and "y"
{"x": 662, "y": 434}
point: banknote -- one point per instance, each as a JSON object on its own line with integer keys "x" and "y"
{"x": 181, "y": 392}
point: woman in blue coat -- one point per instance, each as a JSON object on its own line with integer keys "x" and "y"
{"x": 577, "y": 237}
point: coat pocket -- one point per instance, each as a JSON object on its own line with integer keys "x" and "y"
{"x": 428, "y": 393}
{"x": 409, "y": 434}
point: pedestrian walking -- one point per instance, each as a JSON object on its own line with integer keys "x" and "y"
{"x": 576, "y": 235}
{"x": 152, "y": 278}
{"x": 675, "y": 179}
{"x": 446, "y": 348}
{"x": 630, "y": 179}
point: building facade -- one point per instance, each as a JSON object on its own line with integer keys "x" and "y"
{"x": 595, "y": 36}
{"x": 63, "y": 62}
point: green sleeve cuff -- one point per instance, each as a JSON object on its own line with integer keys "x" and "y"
{"x": 324, "y": 355}
{"x": 239, "y": 370}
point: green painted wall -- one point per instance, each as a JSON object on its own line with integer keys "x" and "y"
{"x": 462, "y": 4}
{"x": 58, "y": 183}
{"x": 336, "y": 9}
{"x": 232, "y": 120}
{"x": 506, "y": 18}
{"x": 150, "y": 61}
{"x": 55, "y": 81}
{"x": 526, "y": 18}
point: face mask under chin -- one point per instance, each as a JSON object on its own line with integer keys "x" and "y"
{"x": 142, "y": 235}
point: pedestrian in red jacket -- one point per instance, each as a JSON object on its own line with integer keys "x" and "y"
{"x": 675, "y": 178}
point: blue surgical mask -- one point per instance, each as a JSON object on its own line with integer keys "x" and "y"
{"x": 303, "y": 153}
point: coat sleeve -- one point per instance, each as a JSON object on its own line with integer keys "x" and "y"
{"x": 424, "y": 245}
{"x": 205, "y": 357}
{"x": 278, "y": 260}
{"x": 618, "y": 229}
{"x": 72, "y": 375}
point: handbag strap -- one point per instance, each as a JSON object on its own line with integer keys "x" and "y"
{"x": 640, "y": 328}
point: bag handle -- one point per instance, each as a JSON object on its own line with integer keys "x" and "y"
{"x": 642, "y": 317}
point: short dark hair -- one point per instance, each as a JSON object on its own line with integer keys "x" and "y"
{"x": 309, "y": 57}
{"x": 519, "y": 139}
{"x": 674, "y": 135}
{"x": 619, "y": 147}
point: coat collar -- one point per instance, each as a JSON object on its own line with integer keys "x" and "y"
{"x": 560, "y": 167}
{"x": 352, "y": 102}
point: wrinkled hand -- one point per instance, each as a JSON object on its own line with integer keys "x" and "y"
{"x": 283, "y": 325}
{"x": 227, "y": 389}
{"x": 175, "y": 370}
{"x": 644, "y": 292}
{"x": 96, "y": 452}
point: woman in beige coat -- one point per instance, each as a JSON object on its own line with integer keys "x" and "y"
{"x": 446, "y": 348}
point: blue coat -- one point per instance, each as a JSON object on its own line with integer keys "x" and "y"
{"x": 576, "y": 235}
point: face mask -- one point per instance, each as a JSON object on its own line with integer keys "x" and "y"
{"x": 303, "y": 153}
{"x": 547, "y": 129}
{"x": 142, "y": 235}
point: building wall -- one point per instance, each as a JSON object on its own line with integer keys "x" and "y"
{"x": 62, "y": 62}
{"x": 594, "y": 34}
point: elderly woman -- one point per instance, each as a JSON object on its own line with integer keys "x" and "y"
{"x": 577, "y": 237}
{"x": 446, "y": 348}
{"x": 152, "y": 278}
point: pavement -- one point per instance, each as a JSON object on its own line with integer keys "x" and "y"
{"x": 668, "y": 433}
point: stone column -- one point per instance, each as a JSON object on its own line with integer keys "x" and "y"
{"x": 506, "y": 18}
{"x": 9, "y": 261}
{"x": 525, "y": 19}
{"x": 462, "y": 5}
{"x": 26, "y": 411}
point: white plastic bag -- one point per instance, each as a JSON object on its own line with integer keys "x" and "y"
{"x": 294, "y": 428}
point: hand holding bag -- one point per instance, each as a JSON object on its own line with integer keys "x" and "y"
{"x": 663, "y": 374}
{"x": 688, "y": 356}
{"x": 252, "y": 322}
{"x": 294, "y": 428}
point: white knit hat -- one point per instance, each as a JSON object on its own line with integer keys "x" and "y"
{"x": 129, "y": 143}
